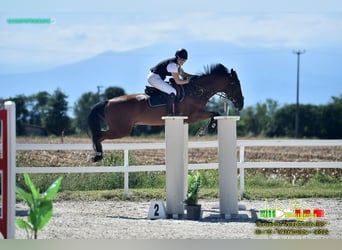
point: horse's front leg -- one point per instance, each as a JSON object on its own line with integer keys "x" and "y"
{"x": 199, "y": 116}
{"x": 212, "y": 126}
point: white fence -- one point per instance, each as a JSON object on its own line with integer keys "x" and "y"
{"x": 126, "y": 168}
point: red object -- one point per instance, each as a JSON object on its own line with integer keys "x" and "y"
{"x": 4, "y": 171}
{"x": 306, "y": 211}
{"x": 297, "y": 212}
{"x": 319, "y": 213}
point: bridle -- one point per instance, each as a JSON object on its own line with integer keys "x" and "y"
{"x": 205, "y": 93}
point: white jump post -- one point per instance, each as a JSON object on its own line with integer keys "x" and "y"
{"x": 176, "y": 160}
{"x": 227, "y": 165}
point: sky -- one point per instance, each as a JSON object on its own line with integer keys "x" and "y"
{"x": 81, "y": 29}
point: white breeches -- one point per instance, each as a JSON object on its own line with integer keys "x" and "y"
{"x": 156, "y": 81}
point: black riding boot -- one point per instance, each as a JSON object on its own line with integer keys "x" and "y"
{"x": 171, "y": 105}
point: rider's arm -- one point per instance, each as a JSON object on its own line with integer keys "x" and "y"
{"x": 173, "y": 69}
{"x": 184, "y": 75}
{"x": 177, "y": 79}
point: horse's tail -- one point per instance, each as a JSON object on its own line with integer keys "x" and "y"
{"x": 95, "y": 117}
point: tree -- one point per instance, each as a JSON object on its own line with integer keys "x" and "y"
{"x": 81, "y": 110}
{"x": 86, "y": 101}
{"x": 331, "y": 115}
{"x": 39, "y": 103}
{"x": 57, "y": 120}
{"x": 321, "y": 121}
{"x": 112, "y": 92}
{"x": 22, "y": 113}
{"x": 258, "y": 120}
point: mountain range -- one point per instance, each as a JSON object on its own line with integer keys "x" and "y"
{"x": 264, "y": 73}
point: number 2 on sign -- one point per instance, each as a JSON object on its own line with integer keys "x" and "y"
{"x": 156, "y": 210}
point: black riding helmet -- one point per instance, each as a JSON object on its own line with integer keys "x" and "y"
{"x": 182, "y": 53}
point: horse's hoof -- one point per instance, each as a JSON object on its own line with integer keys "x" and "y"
{"x": 96, "y": 158}
{"x": 212, "y": 127}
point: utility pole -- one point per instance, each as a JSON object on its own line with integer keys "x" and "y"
{"x": 99, "y": 93}
{"x": 298, "y": 53}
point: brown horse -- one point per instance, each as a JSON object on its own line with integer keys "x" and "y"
{"x": 123, "y": 112}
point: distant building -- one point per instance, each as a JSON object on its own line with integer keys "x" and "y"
{"x": 30, "y": 129}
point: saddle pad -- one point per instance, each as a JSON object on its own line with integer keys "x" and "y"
{"x": 157, "y": 100}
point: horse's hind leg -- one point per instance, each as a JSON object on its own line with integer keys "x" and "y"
{"x": 98, "y": 149}
{"x": 108, "y": 134}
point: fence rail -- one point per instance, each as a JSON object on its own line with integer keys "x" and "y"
{"x": 126, "y": 168}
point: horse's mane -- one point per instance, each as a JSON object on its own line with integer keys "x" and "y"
{"x": 215, "y": 69}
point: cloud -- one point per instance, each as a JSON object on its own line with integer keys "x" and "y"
{"x": 268, "y": 30}
{"x": 72, "y": 39}
{"x": 78, "y": 40}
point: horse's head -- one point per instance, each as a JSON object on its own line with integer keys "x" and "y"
{"x": 217, "y": 78}
{"x": 233, "y": 91}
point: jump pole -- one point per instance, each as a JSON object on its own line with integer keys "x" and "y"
{"x": 176, "y": 160}
{"x": 7, "y": 168}
{"x": 227, "y": 165}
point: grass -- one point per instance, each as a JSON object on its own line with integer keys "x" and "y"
{"x": 292, "y": 192}
{"x": 320, "y": 185}
{"x": 146, "y": 186}
{"x": 146, "y": 194}
{"x": 256, "y": 187}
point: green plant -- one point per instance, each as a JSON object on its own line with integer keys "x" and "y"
{"x": 194, "y": 184}
{"x": 40, "y": 206}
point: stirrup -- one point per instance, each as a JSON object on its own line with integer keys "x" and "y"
{"x": 173, "y": 112}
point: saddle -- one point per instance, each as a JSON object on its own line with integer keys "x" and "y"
{"x": 158, "y": 98}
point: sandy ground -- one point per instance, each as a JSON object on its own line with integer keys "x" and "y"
{"x": 128, "y": 220}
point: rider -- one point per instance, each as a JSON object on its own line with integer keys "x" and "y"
{"x": 170, "y": 67}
